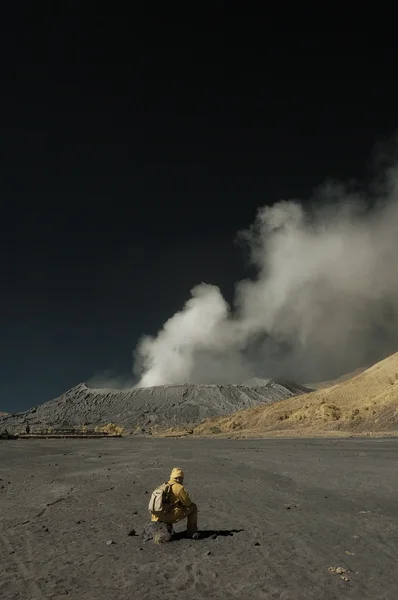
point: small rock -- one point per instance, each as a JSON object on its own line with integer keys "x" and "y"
{"x": 349, "y": 553}
{"x": 146, "y": 492}
{"x": 208, "y": 553}
{"x": 78, "y": 522}
{"x": 338, "y": 570}
{"x": 213, "y": 537}
{"x": 257, "y": 544}
{"x": 132, "y": 532}
{"x": 344, "y": 578}
{"x": 135, "y": 512}
{"x": 110, "y": 542}
{"x": 109, "y": 469}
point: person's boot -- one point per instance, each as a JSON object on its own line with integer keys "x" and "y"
{"x": 192, "y": 535}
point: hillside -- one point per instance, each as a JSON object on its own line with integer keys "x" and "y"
{"x": 366, "y": 403}
{"x": 148, "y": 408}
{"x": 321, "y": 385}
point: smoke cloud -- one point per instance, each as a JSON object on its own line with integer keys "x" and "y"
{"x": 324, "y": 300}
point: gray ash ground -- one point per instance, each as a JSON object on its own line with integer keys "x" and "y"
{"x": 148, "y": 408}
{"x": 282, "y": 519}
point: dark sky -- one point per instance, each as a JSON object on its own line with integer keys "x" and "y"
{"x": 132, "y": 151}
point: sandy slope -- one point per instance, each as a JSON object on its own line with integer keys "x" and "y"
{"x": 286, "y": 511}
{"x": 366, "y": 403}
{"x": 149, "y": 408}
{"x": 321, "y": 385}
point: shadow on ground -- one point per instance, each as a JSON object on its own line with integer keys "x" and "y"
{"x": 207, "y": 534}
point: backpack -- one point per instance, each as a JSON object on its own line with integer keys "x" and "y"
{"x": 160, "y": 502}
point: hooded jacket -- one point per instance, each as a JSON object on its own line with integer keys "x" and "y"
{"x": 178, "y": 494}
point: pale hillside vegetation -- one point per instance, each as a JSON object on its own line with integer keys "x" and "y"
{"x": 366, "y": 403}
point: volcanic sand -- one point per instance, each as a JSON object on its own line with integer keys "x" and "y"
{"x": 302, "y": 506}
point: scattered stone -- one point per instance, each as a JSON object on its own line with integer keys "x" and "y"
{"x": 257, "y": 544}
{"x": 132, "y": 533}
{"x": 344, "y": 578}
{"x": 213, "y": 537}
{"x": 208, "y": 553}
{"x": 146, "y": 492}
{"x": 135, "y": 512}
{"x": 110, "y": 542}
{"x": 338, "y": 570}
{"x": 78, "y": 522}
{"x": 349, "y": 553}
{"x": 158, "y": 533}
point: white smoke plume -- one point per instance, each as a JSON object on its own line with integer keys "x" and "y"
{"x": 324, "y": 301}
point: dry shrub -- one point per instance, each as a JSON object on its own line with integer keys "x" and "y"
{"x": 329, "y": 412}
{"x": 215, "y": 430}
{"x": 110, "y": 429}
{"x": 354, "y": 413}
{"x": 284, "y": 416}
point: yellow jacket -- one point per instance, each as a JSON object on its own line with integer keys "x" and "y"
{"x": 178, "y": 494}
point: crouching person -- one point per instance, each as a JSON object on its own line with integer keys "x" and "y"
{"x": 170, "y": 503}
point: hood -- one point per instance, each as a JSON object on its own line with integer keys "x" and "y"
{"x": 177, "y": 473}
